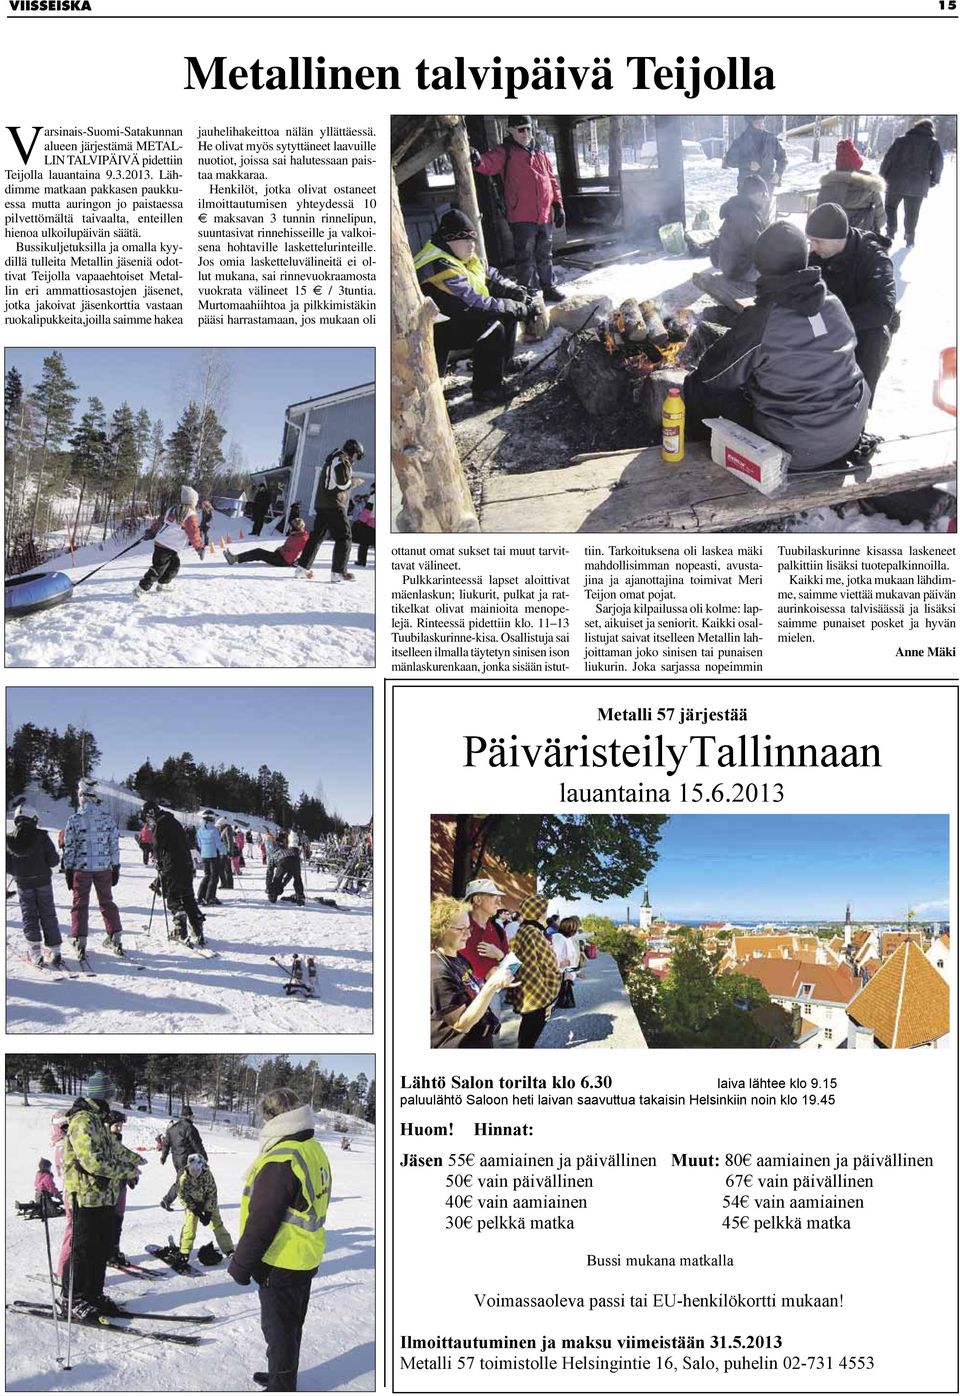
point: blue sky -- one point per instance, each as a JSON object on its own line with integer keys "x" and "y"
{"x": 309, "y": 734}
{"x": 262, "y": 384}
{"x": 781, "y": 867}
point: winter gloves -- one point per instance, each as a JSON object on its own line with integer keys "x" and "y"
{"x": 68, "y": 874}
{"x": 475, "y": 156}
{"x": 559, "y": 217}
{"x": 115, "y": 876}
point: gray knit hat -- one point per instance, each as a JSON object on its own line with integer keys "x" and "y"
{"x": 780, "y": 248}
{"x": 828, "y": 221}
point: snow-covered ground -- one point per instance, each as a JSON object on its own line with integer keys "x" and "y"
{"x": 181, "y": 991}
{"x": 214, "y": 616}
{"x": 338, "y": 1337}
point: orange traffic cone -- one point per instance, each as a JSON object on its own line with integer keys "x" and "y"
{"x": 228, "y": 539}
{"x": 241, "y": 535}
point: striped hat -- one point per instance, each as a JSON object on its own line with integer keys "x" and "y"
{"x": 534, "y": 908}
{"x": 99, "y": 1086}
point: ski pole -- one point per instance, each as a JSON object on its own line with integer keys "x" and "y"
{"x": 150, "y": 918}
{"x": 73, "y": 1213}
{"x": 53, "y": 1293}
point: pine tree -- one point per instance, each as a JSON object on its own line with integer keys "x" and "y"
{"x": 12, "y": 398}
{"x": 125, "y": 456}
{"x": 90, "y": 452}
{"x": 370, "y": 1114}
{"x": 182, "y": 443}
{"x": 53, "y": 401}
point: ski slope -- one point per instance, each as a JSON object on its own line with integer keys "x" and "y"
{"x": 180, "y": 991}
{"x": 214, "y": 616}
{"x": 338, "y": 1337}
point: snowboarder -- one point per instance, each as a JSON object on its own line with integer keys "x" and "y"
{"x": 180, "y": 1141}
{"x": 197, "y": 1190}
{"x": 165, "y": 563}
{"x": 210, "y": 847}
{"x": 786, "y": 370}
{"x": 259, "y": 509}
{"x": 174, "y": 860}
{"x": 911, "y": 167}
{"x": 856, "y": 269}
{"x": 95, "y": 1164}
{"x": 284, "y": 556}
{"x": 330, "y": 510}
{"x": 45, "y": 1189}
{"x": 283, "y": 1213}
{"x": 756, "y": 151}
{"x": 482, "y": 308}
{"x": 533, "y": 199}
{"x": 31, "y": 858}
{"x": 91, "y": 859}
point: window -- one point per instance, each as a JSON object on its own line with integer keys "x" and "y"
{"x": 808, "y": 1010}
{"x": 828, "y": 1034}
{"x": 806, "y": 991}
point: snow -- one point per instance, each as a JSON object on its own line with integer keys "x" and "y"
{"x": 338, "y": 1338}
{"x": 214, "y": 616}
{"x": 179, "y": 990}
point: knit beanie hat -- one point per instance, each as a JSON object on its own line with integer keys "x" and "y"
{"x": 848, "y": 156}
{"x": 188, "y": 495}
{"x": 534, "y": 908}
{"x": 44, "y": 1165}
{"x": 780, "y": 248}
{"x": 513, "y": 122}
{"x": 753, "y": 184}
{"x": 828, "y": 221}
{"x": 455, "y": 224}
{"x": 99, "y": 1086}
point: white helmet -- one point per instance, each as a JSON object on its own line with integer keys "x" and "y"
{"x": 26, "y": 811}
{"x": 188, "y": 495}
{"x": 87, "y": 789}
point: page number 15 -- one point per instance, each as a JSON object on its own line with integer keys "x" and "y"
{"x": 948, "y": 4}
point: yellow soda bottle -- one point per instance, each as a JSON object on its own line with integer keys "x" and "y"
{"x": 674, "y": 412}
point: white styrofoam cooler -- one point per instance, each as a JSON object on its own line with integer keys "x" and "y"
{"x": 751, "y": 458}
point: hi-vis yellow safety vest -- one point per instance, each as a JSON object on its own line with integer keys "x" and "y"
{"x": 474, "y": 270}
{"x": 300, "y": 1240}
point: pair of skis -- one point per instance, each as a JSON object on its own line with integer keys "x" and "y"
{"x": 28, "y": 1309}
{"x": 300, "y": 974}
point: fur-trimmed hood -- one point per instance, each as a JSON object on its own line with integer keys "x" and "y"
{"x": 291, "y": 1122}
{"x": 854, "y": 179}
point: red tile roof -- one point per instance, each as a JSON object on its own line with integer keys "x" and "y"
{"x": 906, "y": 1003}
{"x": 783, "y": 978}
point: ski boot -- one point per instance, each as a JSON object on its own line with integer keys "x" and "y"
{"x": 80, "y": 945}
{"x": 106, "y": 1308}
{"x": 83, "y": 1311}
{"x": 178, "y": 1260}
{"x": 33, "y": 955}
{"x": 54, "y": 959}
{"x": 117, "y": 1259}
{"x": 113, "y": 943}
{"x": 229, "y": 555}
{"x": 180, "y": 930}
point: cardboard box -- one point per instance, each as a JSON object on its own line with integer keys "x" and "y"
{"x": 751, "y": 458}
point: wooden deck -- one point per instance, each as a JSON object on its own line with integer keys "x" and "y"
{"x": 635, "y": 492}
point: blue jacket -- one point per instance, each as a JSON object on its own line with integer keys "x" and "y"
{"x": 209, "y": 841}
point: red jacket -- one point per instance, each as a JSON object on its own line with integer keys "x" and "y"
{"x": 293, "y": 546}
{"x": 530, "y": 187}
{"x": 480, "y": 965}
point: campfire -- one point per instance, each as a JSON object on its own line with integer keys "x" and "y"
{"x": 635, "y": 353}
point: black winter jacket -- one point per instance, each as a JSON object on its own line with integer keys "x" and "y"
{"x": 181, "y": 1140}
{"x": 756, "y": 147}
{"x": 275, "y": 1191}
{"x": 172, "y": 852}
{"x": 862, "y": 279}
{"x": 792, "y": 356}
{"x": 30, "y": 856}
{"x": 914, "y": 163}
{"x": 733, "y": 249}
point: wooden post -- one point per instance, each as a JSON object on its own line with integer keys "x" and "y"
{"x": 614, "y": 152}
{"x": 434, "y": 490}
{"x": 670, "y": 160}
{"x": 459, "y": 151}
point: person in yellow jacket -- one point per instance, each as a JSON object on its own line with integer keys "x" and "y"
{"x": 482, "y": 308}
{"x": 197, "y": 1190}
{"x": 283, "y": 1215}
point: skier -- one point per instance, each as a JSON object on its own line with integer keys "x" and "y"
{"x": 237, "y": 858}
{"x": 330, "y": 511}
{"x": 165, "y": 563}
{"x": 210, "y": 846}
{"x": 58, "y": 1133}
{"x": 283, "y": 1213}
{"x": 91, "y": 858}
{"x": 225, "y": 829}
{"x": 756, "y": 151}
{"x": 284, "y": 556}
{"x": 912, "y": 167}
{"x": 115, "y": 1123}
{"x": 197, "y": 1190}
{"x": 31, "y": 857}
{"x": 180, "y": 1141}
{"x": 175, "y": 867}
{"x": 145, "y": 840}
{"x": 95, "y": 1164}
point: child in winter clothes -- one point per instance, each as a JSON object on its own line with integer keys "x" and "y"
{"x": 363, "y": 522}
{"x": 284, "y": 556}
{"x": 197, "y": 1190}
{"x": 43, "y": 1184}
{"x": 165, "y": 563}
{"x": 31, "y": 857}
{"x": 206, "y": 519}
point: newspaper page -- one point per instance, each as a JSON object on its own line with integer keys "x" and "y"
{"x": 651, "y": 322}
